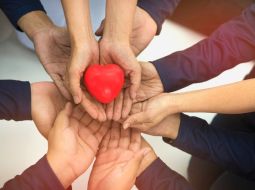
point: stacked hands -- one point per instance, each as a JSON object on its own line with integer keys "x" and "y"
{"x": 89, "y": 129}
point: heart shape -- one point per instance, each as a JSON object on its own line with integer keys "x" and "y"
{"x": 104, "y": 82}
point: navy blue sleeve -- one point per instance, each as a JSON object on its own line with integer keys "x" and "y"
{"x": 39, "y": 176}
{"x": 233, "y": 150}
{"x": 15, "y": 100}
{"x": 159, "y": 176}
{"x": 159, "y": 10}
{"x": 232, "y": 43}
{"x": 15, "y": 9}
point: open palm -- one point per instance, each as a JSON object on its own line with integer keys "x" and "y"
{"x": 118, "y": 160}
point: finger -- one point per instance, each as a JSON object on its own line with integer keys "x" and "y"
{"x": 62, "y": 119}
{"x": 115, "y": 135}
{"x": 74, "y": 77}
{"x": 135, "y": 140}
{"x": 105, "y": 142}
{"x": 94, "y": 126}
{"x": 127, "y": 104}
{"x": 135, "y": 79}
{"x": 104, "y": 128}
{"x": 102, "y": 115}
{"x": 61, "y": 86}
{"x": 118, "y": 103}
{"x": 109, "y": 110}
{"x": 135, "y": 119}
{"x": 100, "y": 30}
{"x": 78, "y": 112}
{"x": 124, "y": 138}
{"x": 90, "y": 107}
{"x": 134, "y": 164}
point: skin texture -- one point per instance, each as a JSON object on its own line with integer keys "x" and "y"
{"x": 118, "y": 160}
{"x": 73, "y": 142}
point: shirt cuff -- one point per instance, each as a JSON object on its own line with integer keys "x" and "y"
{"x": 186, "y": 134}
{"x": 158, "y": 10}
{"x": 15, "y": 100}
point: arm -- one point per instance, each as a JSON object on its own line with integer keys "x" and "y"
{"x": 115, "y": 45}
{"x": 232, "y": 150}
{"x": 84, "y": 52}
{"x": 15, "y": 100}
{"x": 229, "y": 99}
{"x": 159, "y": 10}
{"x": 39, "y": 176}
{"x": 159, "y": 176}
{"x": 229, "y": 45}
{"x": 234, "y": 98}
{"x": 15, "y": 9}
{"x": 155, "y": 174}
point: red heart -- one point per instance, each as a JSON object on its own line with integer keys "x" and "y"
{"x": 104, "y": 82}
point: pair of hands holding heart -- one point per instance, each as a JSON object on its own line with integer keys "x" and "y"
{"x": 106, "y": 84}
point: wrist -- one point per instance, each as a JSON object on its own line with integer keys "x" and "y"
{"x": 35, "y": 22}
{"x": 172, "y": 129}
{"x": 62, "y": 170}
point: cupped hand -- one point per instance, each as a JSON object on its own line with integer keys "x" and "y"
{"x": 118, "y": 160}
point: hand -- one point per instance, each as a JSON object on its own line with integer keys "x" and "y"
{"x": 143, "y": 31}
{"x": 148, "y": 158}
{"x": 73, "y": 142}
{"x": 81, "y": 58}
{"x": 149, "y": 113}
{"x": 121, "y": 54}
{"x": 47, "y": 102}
{"x": 54, "y": 60}
{"x": 151, "y": 85}
{"x": 118, "y": 160}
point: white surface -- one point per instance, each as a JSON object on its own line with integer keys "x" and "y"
{"x": 20, "y": 143}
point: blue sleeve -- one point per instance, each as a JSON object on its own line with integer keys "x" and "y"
{"x": 233, "y": 150}
{"x": 15, "y": 9}
{"x": 159, "y": 176}
{"x": 159, "y": 10}
{"x": 232, "y": 43}
{"x": 15, "y": 100}
{"x": 39, "y": 176}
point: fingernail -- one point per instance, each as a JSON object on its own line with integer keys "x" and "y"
{"x": 125, "y": 126}
{"x": 76, "y": 99}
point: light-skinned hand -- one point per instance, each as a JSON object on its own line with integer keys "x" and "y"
{"x": 73, "y": 142}
{"x": 118, "y": 160}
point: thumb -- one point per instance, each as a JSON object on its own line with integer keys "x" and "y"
{"x": 74, "y": 85}
{"x": 62, "y": 119}
{"x": 135, "y": 79}
{"x": 134, "y": 120}
{"x": 99, "y": 31}
{"x": 134, "y": 164}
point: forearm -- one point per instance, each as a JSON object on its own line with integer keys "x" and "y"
{"x": 159, "y": 10}
{"x": 119, "y": 20}
{"x": 39, "y": 176}
{"x": 159, "y": 176}
{"x": 234, "y": 98}
{"x": 78, "y": 22}
{"x": 231, "y": 44}
{"x": 232, "y": 150}
{"x": 34, "y": 22}
{"x": 15, "y": 9}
